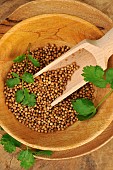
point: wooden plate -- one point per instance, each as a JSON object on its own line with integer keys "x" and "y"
{"x": 105, "y": 25}
{"x": 91, "y": 146}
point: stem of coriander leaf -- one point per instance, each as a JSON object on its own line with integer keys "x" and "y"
{"x": 22, "y": 85}
{"x": 104, "y": 98}
{"x": 26, "y": 65}
{"x": 28, "y": 49}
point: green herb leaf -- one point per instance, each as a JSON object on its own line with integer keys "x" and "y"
{"x": 26, "y": 97}
{"x": 28, "y": 77}
{"x": 43, "y": 152}
{"x": 29, "y": 99}
{"x": 83, "y": 106}
{"x": 26, "y": 93}
{"x": 15, "y": 75}
{"x": 27, "y": 159}
{"x": 19, "y": 59}
{"x": 34, "y": 61}
{"x": 9, "y": 143}
{"x": 94, "y": 74}
{"x": 32, "y": 100}
{"x": 109, "y": 75}
{"x": 112, "y": 84}
{"x": 9, "y": 147}
{"x": 81, "y": 118}
{"x": 12, "y": 82}
{"x": 100, "y": 83}
{"x": 19, "y": 96}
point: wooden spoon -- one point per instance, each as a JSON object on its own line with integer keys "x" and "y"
{"x": 100, "y": 49}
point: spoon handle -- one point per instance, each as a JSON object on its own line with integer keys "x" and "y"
{"x": 63, "y": 96}
{"x": 105, "y": 43}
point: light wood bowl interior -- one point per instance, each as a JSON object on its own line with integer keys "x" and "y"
{"x": 59, "y": 29}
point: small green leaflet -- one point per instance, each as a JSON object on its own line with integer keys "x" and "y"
{"x": 81, "y": 118}
{"x": 29, "y": 100}
{"x": 34, "y": 61}
{"x": 100, "y": 83}
{"x": 32, "y": 100}
{"x": 28, "y": 77}
{"x": 15, "y": 75}
{"x": 12, "y": 82}
{"x": 9, "y": 143}
{"x": 84, "y": 107}
{"x": 43, "y": 152}
{"x": 92, "y": 72}
{"x": 109, "y": 75}
{"x": 95, "y": 75}
{"x": 19, "y": 96}
{"x": 27, "y": 159}
{"x": 26, "y": 93}
{"x": 24, "y": 97}
{"x": 9, "y": 147}
{"x": 112, "y": 84}
{"x": 19, "y": 59}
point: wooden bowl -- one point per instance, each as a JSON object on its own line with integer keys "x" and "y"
{"x": 59, "y": 29}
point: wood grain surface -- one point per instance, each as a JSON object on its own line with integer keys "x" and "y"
{"x": 99, "y": 160}
{"x": 39, "y": 31}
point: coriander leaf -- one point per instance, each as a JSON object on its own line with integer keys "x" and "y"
{"x": 94, "y": 74}
{"x": 27, "y": 159}
{"x": 32, "y": 100}
{"x": 81, "y": 118}
{"x": 29, "y": 99}
{"x": 112, "y": 84}
{"x": 19, "y": 58}
{"x": 25, "y": 102}
{"x": 16, "y": 143}
{"x": 19, "y": 95}
{"x": 34, "y": 61}
{"x": 43, "y": 152}
{"x": 26, "y": 93}
{"x": 15, "y": 75}
{"x": 100, "y": 83}
{"x": 9, "y": 147}
{"x": 28, "y": 77}
{"x": 12, "y": 82}
{"x": 7, "y": 137}
{"x": 83, "y": 106}
{"x": 26, "y": 97}
{"x": 109, "y": 75}
{"x": 9, "y": 143}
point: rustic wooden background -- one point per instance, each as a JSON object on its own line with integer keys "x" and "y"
{"x": 101, "y": 159}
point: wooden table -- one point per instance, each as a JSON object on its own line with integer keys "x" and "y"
{"x": 101, "y": 159}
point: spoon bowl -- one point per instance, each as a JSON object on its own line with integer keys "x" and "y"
{"x": 100, "y": 49}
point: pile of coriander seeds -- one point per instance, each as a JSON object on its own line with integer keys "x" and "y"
{"x": 47, "y": 87}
